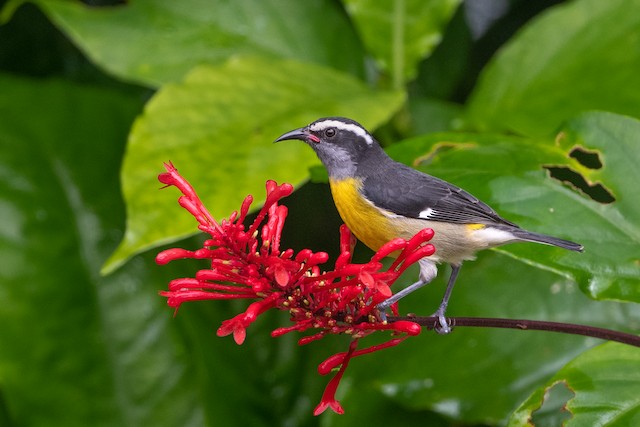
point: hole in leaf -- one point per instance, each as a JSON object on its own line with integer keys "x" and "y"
{"x": 597, "y": 192}
{"x": 588, "y": 158}
{"x": 553, "y": 411}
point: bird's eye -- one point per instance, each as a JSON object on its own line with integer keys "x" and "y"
{"x": 329, "y": 133}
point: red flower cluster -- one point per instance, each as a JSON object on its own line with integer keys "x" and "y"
{"x": 246, "y": 262}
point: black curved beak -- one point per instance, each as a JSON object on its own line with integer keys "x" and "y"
{"x": 301, "y": 134}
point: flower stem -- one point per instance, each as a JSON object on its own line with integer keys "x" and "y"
{"x": 397, "y": 67}
{"x": 536, "y": 325}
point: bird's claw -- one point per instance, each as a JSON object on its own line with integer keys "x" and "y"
{"x": 382, "y": 311}
{"x": 442, "y": 325}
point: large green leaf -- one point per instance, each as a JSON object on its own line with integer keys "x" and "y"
{"x": 400, "y": 33}
{"x": 508, "y": 173}
{"x": 611, "y": 231}
{"x": 77, "y": 349}
{"x": 477, "y": 375}
{"x": 153, "y": 42}
{"x": 218, "y": 126}
{"x": 581, "y": 55}
{"x": 605, "y": 383}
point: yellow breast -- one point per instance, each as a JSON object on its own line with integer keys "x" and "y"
{"x": 364, "y": 220}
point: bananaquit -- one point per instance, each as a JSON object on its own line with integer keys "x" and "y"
{"x": 380, "y": 199}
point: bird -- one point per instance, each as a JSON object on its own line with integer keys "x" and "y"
{"x": 380, "y": 199}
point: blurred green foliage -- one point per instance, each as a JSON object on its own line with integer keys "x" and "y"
{"x": 503, "y": 98}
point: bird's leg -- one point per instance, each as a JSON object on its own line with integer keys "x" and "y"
{"x": 444, "y": 327}
{"x": 384, "y": 305}
{"x": 428, "y": 271}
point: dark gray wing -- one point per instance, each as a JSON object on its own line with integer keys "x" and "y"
{"x": 405, "y": 191}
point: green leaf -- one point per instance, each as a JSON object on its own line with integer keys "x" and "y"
{"x": 443, "y": 116}
{"x": 478, "y": 375}
{"x": 508, "y": 173}
{"x": 442, "y": 75}
{"x": 154, "y": 42}
{"x": 612, "y": 230}
{"x": 220, "y": 136}
{"x": 605, "y": 383}
{"x": 581, "y": 55}
{"x": 400, "y": 33}
{"x": 78, "y": 349}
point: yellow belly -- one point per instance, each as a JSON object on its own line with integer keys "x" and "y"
{"x": 454, "y": 242}
{"x": 366, "y": 222}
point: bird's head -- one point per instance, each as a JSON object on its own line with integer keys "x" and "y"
{"x": 340, "y": 143}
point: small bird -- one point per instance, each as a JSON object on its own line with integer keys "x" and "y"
{"x": 380, "y": 199}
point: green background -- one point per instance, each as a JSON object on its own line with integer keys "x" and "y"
{"x": 95, "y": 96}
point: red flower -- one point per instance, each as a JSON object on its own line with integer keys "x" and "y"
{"x": 248, "y": 263}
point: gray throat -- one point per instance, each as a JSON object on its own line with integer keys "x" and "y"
{"x": 338, "y": 163}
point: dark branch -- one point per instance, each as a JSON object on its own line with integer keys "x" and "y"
{"x": 536, "y": 325}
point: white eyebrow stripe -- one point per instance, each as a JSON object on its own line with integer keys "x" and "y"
{"x": 315, "y": 127}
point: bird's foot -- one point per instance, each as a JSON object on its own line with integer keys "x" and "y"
{"x": 382, "y": 310}
{"x": 442, "y": 325}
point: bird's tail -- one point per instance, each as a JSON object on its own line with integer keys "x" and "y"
{"x": 530, "y": 236}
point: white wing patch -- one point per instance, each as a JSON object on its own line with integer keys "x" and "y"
{"x": 350, "y": 127}
{"x": 427, "y": 213}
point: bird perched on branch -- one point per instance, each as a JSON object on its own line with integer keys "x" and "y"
{"x": 380, "y": 199}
